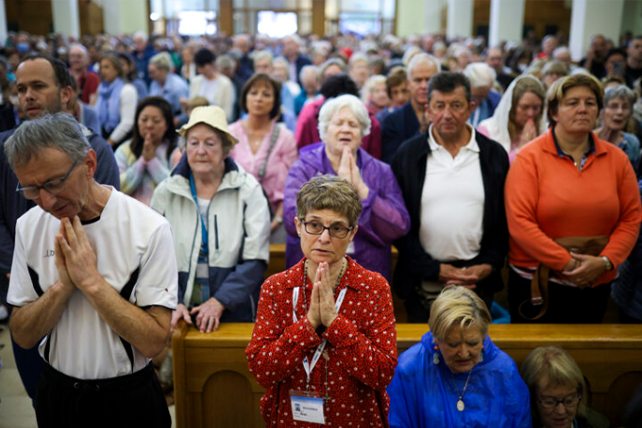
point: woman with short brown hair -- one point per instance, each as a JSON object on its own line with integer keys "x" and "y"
{"x": 573, "y": 211}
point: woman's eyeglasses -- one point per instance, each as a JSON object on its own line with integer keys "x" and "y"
{"x": 569, "y": 402}
{"x": 336, "y": 230}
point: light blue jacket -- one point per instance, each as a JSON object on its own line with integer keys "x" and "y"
{"x": 174, "y": 89}
{"x": 424, "y": 394}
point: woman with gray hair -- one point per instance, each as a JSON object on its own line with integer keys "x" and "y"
{"x": 343, "y": 122}
{"x": 326, "y": 305}
{"x": 456, "y": 376}
{"x": 221, "y": 224}
{"x": 616, "y": 116}
{"x": 558, "y": 391}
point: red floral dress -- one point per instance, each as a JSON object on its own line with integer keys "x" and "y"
{"x": 361, "y": 346}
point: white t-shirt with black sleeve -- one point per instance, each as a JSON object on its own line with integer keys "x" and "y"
{"x": 134, "y": 250}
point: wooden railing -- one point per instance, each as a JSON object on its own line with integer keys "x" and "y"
{"x": 213, "y": 386}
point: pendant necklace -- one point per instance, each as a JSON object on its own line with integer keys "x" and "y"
{"x": 460, "y": 402}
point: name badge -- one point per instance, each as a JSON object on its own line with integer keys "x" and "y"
{"x": 307, "y": 407}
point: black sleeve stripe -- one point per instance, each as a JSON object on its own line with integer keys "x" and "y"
{"x": 129, "y": 350}
{"x": 35, "y": 281}
{"x": 126, "y": 293}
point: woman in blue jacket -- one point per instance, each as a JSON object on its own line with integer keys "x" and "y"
{"x": 456, "y": 376}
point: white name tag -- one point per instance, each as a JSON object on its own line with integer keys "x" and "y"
{"x": 307, "y": 408}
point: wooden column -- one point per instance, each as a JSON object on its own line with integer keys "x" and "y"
{"x": 226, "y": 16}
{"x": 318, "y": 17}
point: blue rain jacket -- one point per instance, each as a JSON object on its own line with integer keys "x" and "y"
{"x": 425, "y": 394}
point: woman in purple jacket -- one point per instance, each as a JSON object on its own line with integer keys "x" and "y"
{"x": 343, "y": 122}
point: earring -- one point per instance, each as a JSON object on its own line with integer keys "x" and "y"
{"x": 435, "y": 358}
{"x": 436, "y": 348}
{"x": 481, "y": 356}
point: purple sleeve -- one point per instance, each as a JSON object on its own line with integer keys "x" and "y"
{"x": 297, "y": 177}
{"x": 384, "y": 216}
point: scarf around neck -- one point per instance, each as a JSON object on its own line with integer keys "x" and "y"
{"x": 108, "y": 104}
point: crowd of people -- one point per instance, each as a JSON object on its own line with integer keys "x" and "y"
{"x": 468, "y": 158}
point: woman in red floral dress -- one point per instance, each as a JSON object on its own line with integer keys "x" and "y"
{"x": 324, "y": 343}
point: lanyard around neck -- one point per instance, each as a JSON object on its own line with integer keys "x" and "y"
{"x": 317, "y": 354}
{"x": 204, "y": 237}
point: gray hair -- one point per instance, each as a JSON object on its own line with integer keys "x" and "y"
{"x": 280, "y": 60}
{"x": 421, "y": 58}
{"x": 480, "y": 74}
{"x": 162, "y": 61}
{"x": 264, "y": 54}
{"x": 141, "y": 35}
{"x": 620, "y": 91}
{"x": 331, "y": 107}
{"x": 60, "y": 131}
{"x": 296, "y": 39}
{"x": 356, "y": 57}
{"x": 560, "y": 50}
{"x": 410, "y": 54}
{"x": 224, "y": 62}
{"x": 80, "y": 47}
{"x": 309, "y": 69}
{"x": 332, "y": 61}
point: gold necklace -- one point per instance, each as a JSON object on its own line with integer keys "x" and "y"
{"x": 460, "y": 401}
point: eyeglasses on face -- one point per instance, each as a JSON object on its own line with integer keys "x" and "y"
{"x": 568, "y": 402}
{"x": 317, "y": 228}
{"x": 52, "y": 187}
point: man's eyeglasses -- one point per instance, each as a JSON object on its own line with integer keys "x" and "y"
{"x": 336, "y": 230}
{"x": 568, "y": 402}
{"x": 53, "y": 187}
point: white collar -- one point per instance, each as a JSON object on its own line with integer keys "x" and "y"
{"x": 471, "y": 145}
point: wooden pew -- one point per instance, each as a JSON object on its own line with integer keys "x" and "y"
{"x": 214, "y": 388}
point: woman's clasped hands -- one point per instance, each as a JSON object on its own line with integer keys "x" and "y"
{"x": 348, "y": 170}
{"x": 322, "y": 310}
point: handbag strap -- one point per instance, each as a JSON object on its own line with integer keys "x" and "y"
{"x": 273, "y": 138}
{"x": 591, "y": 245}
{"x": 539, "y": 293}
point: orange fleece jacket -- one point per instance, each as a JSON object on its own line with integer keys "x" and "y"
{"x": 547, "y": 197}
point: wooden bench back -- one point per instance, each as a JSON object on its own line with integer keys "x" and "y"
{"x": 213, "y": 386}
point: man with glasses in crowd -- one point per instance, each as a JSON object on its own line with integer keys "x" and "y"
{"x": 90, "y": 274}
{"x": 44, "y": 86}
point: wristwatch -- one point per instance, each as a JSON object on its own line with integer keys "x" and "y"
{"x": 279, "y": 219}
{"x": 607, "y": 263}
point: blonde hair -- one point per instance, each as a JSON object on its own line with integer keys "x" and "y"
{"x": 559, "y": 88}
{"x": 329, "y": 192}
{"x": 457, "y": 305}
{"x": 552, "y": 366}
{"x": 372, "y": 81}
